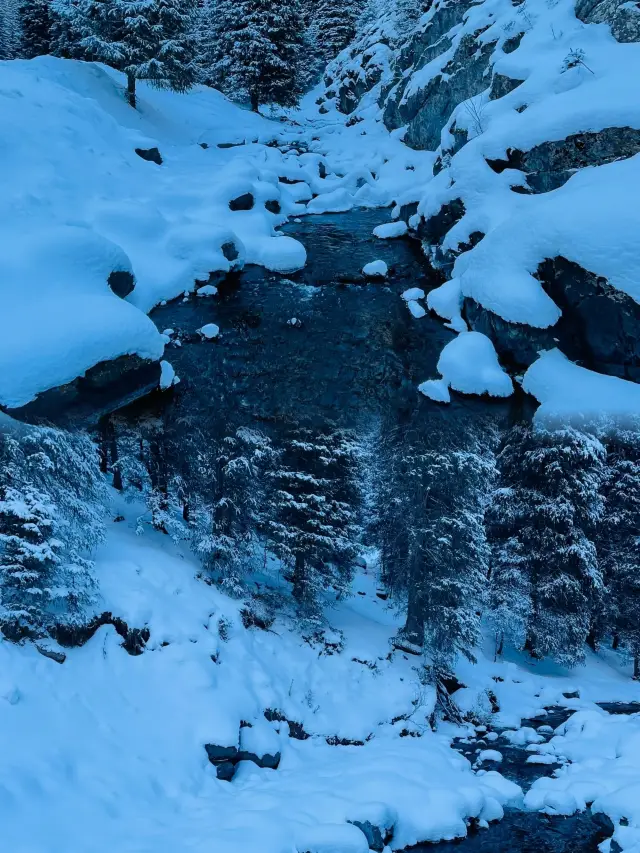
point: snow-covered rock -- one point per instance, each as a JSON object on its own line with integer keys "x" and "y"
{"x": 375, "y": 269}
{"x": 390, "y": 229}
{"x": 209, "y": 331}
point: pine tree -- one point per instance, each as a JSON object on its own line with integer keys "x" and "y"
{"x": 52, "y": 500}
{"x": 146, "y": 39}
{"x": 227, "y": 507}
{"x": 447, "y": 552}
{"x": 10, "y": 35}
{"x": 35, "y": 17}
{"x": 335, "y": 25}
{"x": 545, "y": 575}
{"x": 253, "y": 48}
{"x": 312, "y": 522}
{"x": 619, "y": 541}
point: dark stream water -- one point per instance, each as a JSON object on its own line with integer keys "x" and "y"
{"x": 354, "y": 355}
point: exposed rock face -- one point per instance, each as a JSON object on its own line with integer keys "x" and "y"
{"x": 622, "y": 16}
{"x": 134, "y": 639}
{"x": 103, "y": 389}
{"x": 551, "y": 164}
{"x": 462, "y": 78}
{"x": 152, "y": 155}
{"x": 599, "y": 324}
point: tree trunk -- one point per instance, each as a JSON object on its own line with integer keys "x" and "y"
{"x": 300, "y": 590}
{"x": 615, "y": 641}
{"x": 636, "y": 666}
{"x": 592, "y": 641}
{"x": 413, "y": 630}
{"x": 255, "y": 101}
{"x": 499, "y": 645}
{"x": 131, "y": 90}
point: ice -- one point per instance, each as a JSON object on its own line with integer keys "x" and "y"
{"x": 376, "y": 269}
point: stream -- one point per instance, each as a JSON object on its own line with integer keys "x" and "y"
{"x": 322, "y": 345}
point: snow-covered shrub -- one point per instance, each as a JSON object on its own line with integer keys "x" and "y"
{"x": 52, "y": 502}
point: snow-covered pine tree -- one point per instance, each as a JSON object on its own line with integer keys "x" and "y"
{"x": 52, "y": 501}
{"x": 35, "y": 17}
{"x": 227, "y": 503}
{"x": 619, "y": 541}
{"x": 335, "y": 25}
{"x": 541, "y": 529}
{"x": 146, "y": 39}
{"x": 448, "y": 554}
{"x": 10, "y": 35}
{"x": 312, "y": 519}
{"x": 254, "y": 49}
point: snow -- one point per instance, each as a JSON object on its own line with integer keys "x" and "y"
{"x": 415, "y": 308}
{"x": 412, "y": 294}
{"x": 376, "y": 269}
{"x": 489, "y": 755}
{"x": 168, "y": 376}
{"x": 469, "y": 364}
{"x": 207, "y": 290}
{"x": 567, "y": 391}
{"x": 209, "y": 331}
{"x": 143, "y": 721}
{"x": 390, "y": 229}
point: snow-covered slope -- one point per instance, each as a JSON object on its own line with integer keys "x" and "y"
{"x": 108, "y": 749}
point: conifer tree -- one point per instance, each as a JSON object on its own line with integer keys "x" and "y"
{"x": 253, "y": 49}
{"x": 619, "y": 541}
{"x": 228, "y": 501}
{"x": 335, "y": 25}
{"x": 545, "y": 575}
{"x": 312, "y": 517}
{"x": 146, "y": 39}
{"x": 10, "y": 35}
{"x": 35, "y": 17}
{"x": 52, "y": 500}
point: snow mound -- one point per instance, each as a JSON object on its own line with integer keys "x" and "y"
{"x": 390, "y": 229}
{"x": 376, "y": 269}
{"x": 59, "y": 315}
{"x": 469, "y": 364}
{"x": 209, "y": 331}
{"x": 567, "y": 391}
{"x": 415, "y": 308}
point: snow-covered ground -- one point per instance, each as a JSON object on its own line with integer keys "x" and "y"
{"x": 106, "y": 751}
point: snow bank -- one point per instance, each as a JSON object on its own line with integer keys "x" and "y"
{"x": 469, "y": 364}
{"x": 604, "y": 769}
{"x": 566, "y": 390}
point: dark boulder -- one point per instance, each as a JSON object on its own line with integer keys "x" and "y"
{"x": 243, "y": 202}
{"x": 376, "y": 839}
{"x": 598, "y": 327}
{"x": 122, "y": 283}
{"x": 103, "y": 389}
{"x": 230, "y": 251}
{"x": 273, "y": 206}
{"x": 152, "y": 155}
{"x": 217, "y": 754}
